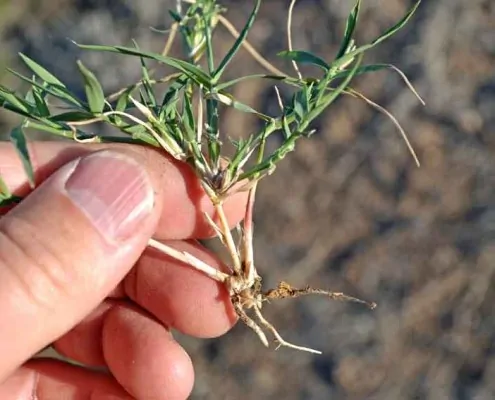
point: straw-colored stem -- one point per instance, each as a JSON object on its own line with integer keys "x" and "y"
{"x": 229, "y": 239}
{"x": 289, "y": 35}
{"x": 247, "y": 238}
{"x": 189, "y": 259}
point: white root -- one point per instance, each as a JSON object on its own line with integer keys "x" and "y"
{"x": 280, "y": 340}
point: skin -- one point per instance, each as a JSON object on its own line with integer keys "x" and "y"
{"x": 99, "y": 305}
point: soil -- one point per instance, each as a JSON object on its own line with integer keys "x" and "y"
{"x": 349, "y": 210}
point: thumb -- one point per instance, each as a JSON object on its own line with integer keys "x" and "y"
{"x": 65, "y": 247}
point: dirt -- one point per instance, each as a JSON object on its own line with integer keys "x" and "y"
{"x": 349, "y": 210}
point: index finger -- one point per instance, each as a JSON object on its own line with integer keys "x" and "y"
{"x": 185, "y": 202}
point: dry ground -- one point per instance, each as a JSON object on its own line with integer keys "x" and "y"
{"x": 349, "y": 210}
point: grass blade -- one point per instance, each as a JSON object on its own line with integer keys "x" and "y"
{"x": 94, "y": 92}
{"x": 41, "y": 72}
{"x": 197, "y": 74}
{"x": 10, "y": 97}
{"x": 397, "y": 26}
{"x": 19, "y": 141}
{"x": 60, "y": 92}
{"x": 329, "y": 98}
{"x": 36, "y": 96}
{"x": 4, "y": 191}
{"x": 351, "y": 55}
{"x": 237, "y": 44}
{"x": 228, "y": 100}
{"x": 349, "y": 29}
{"x": 305, "y": 57}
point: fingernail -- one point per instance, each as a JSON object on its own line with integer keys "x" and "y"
{"x": 114, "y": 192}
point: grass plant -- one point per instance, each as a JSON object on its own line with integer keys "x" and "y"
{"x": 184, "y": 122}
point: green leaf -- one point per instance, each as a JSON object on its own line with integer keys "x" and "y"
{"x": 4, "y": 190}
{"x": 397, "y": 26}
{"x": 146, "y": 82}
{"x": 237, "y": 44}
{"x": 50, "y": 127}
{"x": 196, "y": 73}
{"x": 71, "y": 116}
{"x": 351, "y": 55}
{"x": 9, "y": 201}
{"x": 36, "y": 96}
{"x": 225, "y": 85}
{"x": 171, "y": 96}
{"x": 94, "y": 92}
{"x": 176, "y": 17}
{"x": 286, "y": 129}
{"x": 188, "y": 118}
{"x": 123, "y": 100}
{"x": 349, "y": 29}
{"x": 18, "y": 139}
{"x": 59, "y": 92}
{"x": 329, "y": 98}
{"x": 304, "y": 57}
{"x": 10, "y": 97}
{"x": 228, "y": 100}
{"x": 41, "y": 72}
{"x": 213, "y": 132}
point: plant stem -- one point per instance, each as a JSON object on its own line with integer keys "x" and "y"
{"x": 189, "y": 259}
{"x": 229, "y": 240}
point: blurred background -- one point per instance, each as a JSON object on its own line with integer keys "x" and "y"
{"x": 349, "y": 210}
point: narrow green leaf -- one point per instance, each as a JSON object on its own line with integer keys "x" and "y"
{"x": 59, "y": 92}
{"x": 305, "y": 57}
{"x": 71, "y": 116}
{"x": 9, "y": 201}
{"x": 286, "y": 129}
{"x": 36, "y": 96}
{"x": 94, "y": 92}
{"x": 349, "y": 29}
{"x": 351, "y": 55}
{"x": 207, "y": 21}
{"x": 10, "y": 97}
{"x": 196, "y": 73}
{"x": 176, "y": 17}
{"x": 171, "y": 96}
{"x": 397, "y": 26}
{"x": 228, "y": 100}
{"x": 150, "y": 96}
{"x": 123, "y": 100}
{"x": 237, "y": 44}
{"x": 188, "y": 118}
{"x": 18, "y": 139}
{"x": 12, "y": 108}
{"x": 213, "y": 132}
{"x": 50, "y": 127}
{"x": 329, "y": 98}
{"x": 225, "y": 85}
{"x": 4, "y": 190}
{"x": 41, "y": 72}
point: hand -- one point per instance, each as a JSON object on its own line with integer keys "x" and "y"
{"x": 74, "y": 272}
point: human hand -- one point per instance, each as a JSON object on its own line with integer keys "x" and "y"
{"x": 74, "y": 272}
